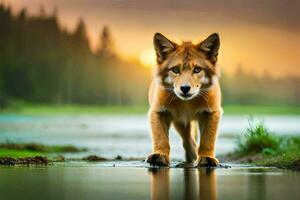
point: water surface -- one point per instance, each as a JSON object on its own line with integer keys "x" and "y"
{"x": 133, "y": 180}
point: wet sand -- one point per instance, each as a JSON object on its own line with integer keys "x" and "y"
{"x": 135, "y": 180}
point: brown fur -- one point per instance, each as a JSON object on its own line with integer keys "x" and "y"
{"x": 199, "y": 107}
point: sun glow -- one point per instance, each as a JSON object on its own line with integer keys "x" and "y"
{"x": 148, "y": 57}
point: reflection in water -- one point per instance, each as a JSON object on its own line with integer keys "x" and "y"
{"x": 197, "y": 184}
{"x": 160, "y": 183}
{"x": 76, "y": 180}
{"x": 208, "y": 184}
{"x": 257, "y": 187}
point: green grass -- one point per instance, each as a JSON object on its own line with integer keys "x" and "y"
{"x": 37, "y": 109}
{"x": 41, "y": 148}
{"x": 257, "y": 139}
{"x": 289, "y": 160}
{"x": 20, "y": 153}
{"x": 261, "y": 110}
{"x": 29, "y": 109}
{"x": 266, "y": 149}
{"x": 32, "y": 149}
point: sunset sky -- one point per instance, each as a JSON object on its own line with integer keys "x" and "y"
{"x": 258, "y": 35}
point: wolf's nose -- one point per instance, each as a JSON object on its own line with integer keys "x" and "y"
{"x": 185, "y": 89}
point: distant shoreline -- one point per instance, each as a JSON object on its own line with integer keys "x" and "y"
{"x": 72, "y": 109}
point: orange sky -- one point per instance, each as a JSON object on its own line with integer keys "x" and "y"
{"x": 258, "y": 35}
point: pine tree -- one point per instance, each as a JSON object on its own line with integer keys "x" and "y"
{"x": 107, "y": 46}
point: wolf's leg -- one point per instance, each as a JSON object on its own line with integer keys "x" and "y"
{"x": 208, "y": 123}
{"x": 160, "y": 124}
{"x": 188, "y": 140}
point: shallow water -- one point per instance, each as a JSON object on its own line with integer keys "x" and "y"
{"x": 133, "y": 180}
{"x": 125, "y": 135}
{"x": 128, "y": 136}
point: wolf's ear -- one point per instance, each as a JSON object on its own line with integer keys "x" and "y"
{"x": 210, "y": 46}
{"x": 162, "y": 46}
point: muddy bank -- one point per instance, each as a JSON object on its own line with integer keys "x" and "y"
{"x": 280, "y": 161}
{"x": 94, "y": 158}
{"x": 37, "y": 160}
{"x": 255, "y": 160}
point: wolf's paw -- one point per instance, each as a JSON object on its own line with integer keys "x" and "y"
{"x": 204, "y": 161}
{"x": 157, "y": 159}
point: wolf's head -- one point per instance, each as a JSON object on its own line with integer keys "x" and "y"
{"x": 187, "y": 69}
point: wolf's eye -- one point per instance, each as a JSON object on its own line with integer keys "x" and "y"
{"x": 175, "y": 69}
{"x": 197, "y": 69}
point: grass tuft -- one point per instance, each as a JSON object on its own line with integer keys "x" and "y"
{"x": 261, "y": 147}
{"x": 257, "y": 139}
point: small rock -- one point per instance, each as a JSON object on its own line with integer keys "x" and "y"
{"x": 119, "y": 157}
{"x": 94, "y": 158}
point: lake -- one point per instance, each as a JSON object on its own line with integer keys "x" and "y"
{"x": 124, "y": 135}
{"x": 128, "y": 136}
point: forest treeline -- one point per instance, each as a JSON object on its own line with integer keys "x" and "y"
{"x": 41, "y": 62}
{"x": 244, "y": 88}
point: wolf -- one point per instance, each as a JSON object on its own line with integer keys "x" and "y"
{"x": 185, "y": 92}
